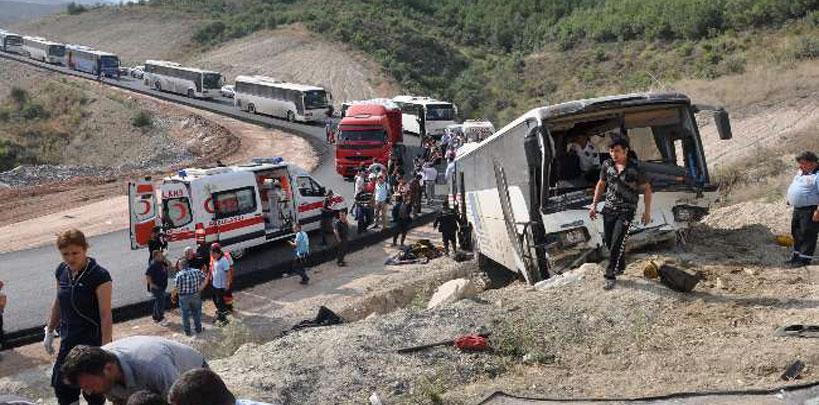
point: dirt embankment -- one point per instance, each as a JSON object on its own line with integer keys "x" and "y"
{"x": 773, "y": 109}
{"x": 294, "y": 54}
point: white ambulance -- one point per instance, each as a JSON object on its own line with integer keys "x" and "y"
{"x": 238, "y": 206}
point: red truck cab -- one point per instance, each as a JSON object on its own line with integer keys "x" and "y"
{"x": 367, "y": 134}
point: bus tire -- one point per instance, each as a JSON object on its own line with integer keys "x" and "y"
{"x": 190, "y": 93}
{"x": 290, "y": 116}
{"x": 158, "y": 86}
{"x": 251, "y": 108}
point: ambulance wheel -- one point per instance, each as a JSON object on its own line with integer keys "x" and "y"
{"x": 290, "y": 116}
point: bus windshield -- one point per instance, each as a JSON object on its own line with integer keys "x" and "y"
{"x": 368, "y": 135}
{"x": 14, "y": 40}
{"x": 315, "y": 99}
{"x": 109, "y": 61}
{"x": 56, "y": 50}
{"x": 211, "y": 80}
{"x": 440, "y": 112}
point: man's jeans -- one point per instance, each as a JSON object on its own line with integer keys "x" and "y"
{"x": 804, "y": 232}
{"x": 430, "y": 185}
{"x": 219, "y": 302}
{"x": 159, "y": 304}
{"x": 615, "y": 235}
{"x": 191, "y": 306}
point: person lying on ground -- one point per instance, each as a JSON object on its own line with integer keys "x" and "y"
{"x": 121, "y": 368}
{"x": 204, "y": 387}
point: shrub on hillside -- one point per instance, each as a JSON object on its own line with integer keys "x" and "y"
{"x": 34, "y": 111}
{"x": 806, "y": 47}
{"x": 19, "y": 96}
{"x": 74, "y": 8}
{"x": 142, "y": 119}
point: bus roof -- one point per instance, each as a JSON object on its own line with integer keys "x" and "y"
{"x": 8, "y": 33}
{"x": 269, "y": 81}
{"x": 74, "y": 47}
{"x": 178, "y": 66}
{"x": 574, "y": 107}
{"x": 418, "y": 100}
{"x": 42, "y": 40}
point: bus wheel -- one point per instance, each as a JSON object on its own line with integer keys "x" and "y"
{"x": 251, "y": 108}
{"x": 158, "y": 86}
{"x": 190, "y": 93}
{"x": 290, "y": 116}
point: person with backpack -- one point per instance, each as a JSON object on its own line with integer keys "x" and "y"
{"x": 404, "y": 220}
{"x": 622, "y": 179}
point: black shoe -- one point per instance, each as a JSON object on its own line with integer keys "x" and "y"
{"x": 304, "y": 281}
{"x": 796, "y": 264}
{"x": 609, "y": 284}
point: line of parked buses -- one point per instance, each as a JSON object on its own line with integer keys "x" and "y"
{"x": 252, "y": 93}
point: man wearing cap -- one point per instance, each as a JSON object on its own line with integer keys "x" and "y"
{"x": 803, "y": 195}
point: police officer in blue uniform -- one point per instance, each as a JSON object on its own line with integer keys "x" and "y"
{"x": 82, "y": 310}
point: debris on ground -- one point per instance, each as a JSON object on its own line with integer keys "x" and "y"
{"x": 793, "y": 371}
{"x": 325, "y": 317}
{"x": 453, "y": 290}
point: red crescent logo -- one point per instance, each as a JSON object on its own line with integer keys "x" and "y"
{"x": 209, "y": 206}
{"x": 183, "y": 211}
{"x": 146, "y": 205}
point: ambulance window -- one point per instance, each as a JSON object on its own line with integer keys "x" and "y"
{"x": 176, "y": 212}
{"x": 235, "y": 202}
{"x": 309, "y": 188}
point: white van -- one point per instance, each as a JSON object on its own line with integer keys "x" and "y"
{"x": 229, "y": 205}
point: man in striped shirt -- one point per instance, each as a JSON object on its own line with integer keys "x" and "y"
{"x": 189, "y": 285}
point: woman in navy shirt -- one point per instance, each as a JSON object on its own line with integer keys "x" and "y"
{"x": 82, "y": 310}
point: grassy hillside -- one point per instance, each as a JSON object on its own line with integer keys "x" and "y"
{"x": 497, "y": 59}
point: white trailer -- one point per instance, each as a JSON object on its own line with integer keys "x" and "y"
{"x": 237, "y": 206}
{"x": 528, "y": 202}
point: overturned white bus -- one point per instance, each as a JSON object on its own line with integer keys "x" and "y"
{"x": 527, "y": 197}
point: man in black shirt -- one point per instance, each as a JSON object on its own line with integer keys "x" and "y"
{"x": 447, "y": 224}
{"x": 342, "y": 231}
{"x": 157, "y": 242}
{"x": 622, "y": 179}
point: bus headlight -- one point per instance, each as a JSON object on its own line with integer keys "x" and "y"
{"x": 569, "y": 237}
{"x": 688, "y": 213}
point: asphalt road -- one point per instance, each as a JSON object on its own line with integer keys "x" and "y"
{"x": 29, "y": 274}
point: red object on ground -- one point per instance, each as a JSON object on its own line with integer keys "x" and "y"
{"x": 473, "y": 343}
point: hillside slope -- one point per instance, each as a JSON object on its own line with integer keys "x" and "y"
{"x": 288, "y": 53}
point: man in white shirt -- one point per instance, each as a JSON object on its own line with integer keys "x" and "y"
{"x": 429, "y": 175}
{"x": 587, "y": 153}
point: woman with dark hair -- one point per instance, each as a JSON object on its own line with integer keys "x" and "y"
{"x": 81, "y": 309}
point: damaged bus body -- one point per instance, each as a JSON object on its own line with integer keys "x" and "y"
{"x": 527, "y": 199}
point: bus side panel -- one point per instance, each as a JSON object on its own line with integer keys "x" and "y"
{"x": 483, "y": 203}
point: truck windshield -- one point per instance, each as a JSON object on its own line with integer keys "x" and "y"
{"x": 315, "y": 99}
{"x": 109, "y": 61}
{"x": 440, "y": 112}
{"x": 371, "y": 135}
{"x": 212, "y": 81}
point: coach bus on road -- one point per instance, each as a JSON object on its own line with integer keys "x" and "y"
{"x": 295, "y": 102}
{"x": 10, "y": 42}
{"x": 44, "y": 50}
{"x": 173, "y": 77}
{"x": 424, "y": 116}
{"x": 89, "y": 60}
